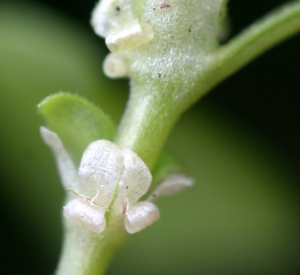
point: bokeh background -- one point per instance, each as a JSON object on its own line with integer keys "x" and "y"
{"x": 240, "y": 143}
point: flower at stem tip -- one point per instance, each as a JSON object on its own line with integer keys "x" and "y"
{"x": 108, "y": 184}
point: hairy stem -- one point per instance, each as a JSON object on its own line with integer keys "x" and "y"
{"x": 151, "y": 114}
{"x": 147, "y": 121}
{"x": 153, "y": 110}
{"x": 86, "y": 253}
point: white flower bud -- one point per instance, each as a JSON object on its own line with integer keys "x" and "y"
{"x": 116, "y": 21}
{"x": 116, "y": 65}
{"x": 104, "y": 170}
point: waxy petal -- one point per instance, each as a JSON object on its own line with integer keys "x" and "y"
{"x": 109, "y": 14}
{"x": 116, "y": 21}
{"x": 170, "y": 186}
{"x": 131, "y": 35}
{"x": 141, "y": 215}
{"x": 66, "y": 168}
{"x": 91, "y": 217}
{"x": 99, "y": 171}
{"x": 135, "y": 179}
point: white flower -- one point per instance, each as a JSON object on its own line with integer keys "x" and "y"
{"x": 115, "y": 20}
{"x": 109, "y": 178}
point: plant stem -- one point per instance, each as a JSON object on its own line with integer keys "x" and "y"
{"x": 86, "y": 253}
{"x": 279, "y": 25}
{"x": 150, "y": 114}
{"x": 148, "y": 119}
{"x": 152, "y": 111}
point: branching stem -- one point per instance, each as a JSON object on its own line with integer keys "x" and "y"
{"x": 151, "y": 113}
{"x": 144, "y": 122}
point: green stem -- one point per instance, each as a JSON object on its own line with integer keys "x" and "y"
{"x": 86, "y": 253}
{"x": 279, "y": 25}
{"x": 151, "y": 113}
{"x": 147, "y": 121}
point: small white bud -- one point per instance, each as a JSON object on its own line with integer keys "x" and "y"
{"x": 116, "y": 21}
{"x": 116, "y": 65}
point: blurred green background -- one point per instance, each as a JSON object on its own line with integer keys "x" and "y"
{"x": 241, "y": 144}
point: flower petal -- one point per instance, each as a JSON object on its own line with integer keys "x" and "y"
{"x": 170, "y": 186}
{"x": 100, "y": 169}
{"x": 116, "y": 21}
{"x": 141, "y": 215}
{"x": 109, "y": 14}
{"x": 132, "y": 34}
{"x": 135, "y": 179}
{"x": 91, "y": 217}
{"x": 66, "y": 168}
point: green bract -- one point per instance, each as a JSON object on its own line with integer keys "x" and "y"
{"x": 76, "y": 121}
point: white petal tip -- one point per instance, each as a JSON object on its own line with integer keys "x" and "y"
{"x": 48, "y": 136}
{"x": 129, "y": 36}
{"x": 64, "y": 162}
{"x": 141, "y": 215}
{"x": 136, "y": 177}
{"x": 99, "y": 171}
{"x": 99, "y": 21}
{"x": 171, "y": 185}
{"x": 91, "y": 217}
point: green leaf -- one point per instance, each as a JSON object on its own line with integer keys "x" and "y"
{"x": 76, "y": 121}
